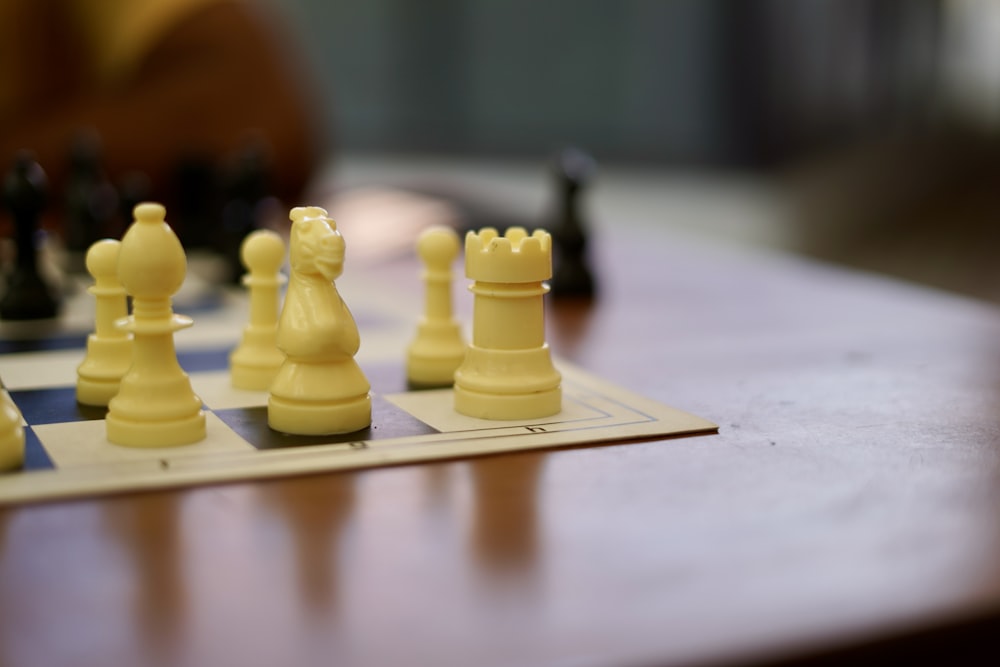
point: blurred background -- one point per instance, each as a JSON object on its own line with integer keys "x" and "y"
{"x": 865, "y": 132}
{"x": 707, "y": 83}
{"x": 862, "y": 131}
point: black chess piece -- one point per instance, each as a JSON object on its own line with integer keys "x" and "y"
{"x": 245, "y": 188}
{"x": 133, "y": 189}
{"x": 571, "y": 274}
{"x": 28, "y": 295}
{"x": 91, "y": 199}
{"x": 193, "y": 209}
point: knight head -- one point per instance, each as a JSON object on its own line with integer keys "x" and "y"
{"x": 315, "y": 247}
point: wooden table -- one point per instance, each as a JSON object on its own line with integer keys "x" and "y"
{"x": 847, "y": 507}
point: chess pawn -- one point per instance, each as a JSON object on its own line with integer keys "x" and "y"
{"x": 28, "y": 295}
{"x": 320, "y": 389}
{"x": 109, "y": 348}
{"x": 256, "y": 361}
{"x": 507, "y": 372}
{"x": 571, "y": 275}
{"x": 438, "y": 349}
{"x": 11, "y": 434}
{"x": 155, "y": 406}
{"x": 91, "y": 201}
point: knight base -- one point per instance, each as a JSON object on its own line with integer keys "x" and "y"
{"x": 315, "y": 418}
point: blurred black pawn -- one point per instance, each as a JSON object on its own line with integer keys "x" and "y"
{"x": 194, "y": 209}
{"x": 91, "y": 199}
{"x": 133, "y": 189}
{"x": 245, "y": 188}
{"x": 571, "y": 275}
{"x": 28, "y": 296}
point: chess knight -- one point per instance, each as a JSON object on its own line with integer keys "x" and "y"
{"x": 319, "y": 389}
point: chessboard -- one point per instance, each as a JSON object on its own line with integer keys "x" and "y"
{"x": 67, "y": 454}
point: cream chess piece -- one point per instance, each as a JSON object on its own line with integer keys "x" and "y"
{"x": 11, "y": 434}
{"x": 438, "y": 349}
{"x": 155, "y": 406}
{"x": 508, "y": 371}
{"x": 109, "y": 349}
{"x": 320, "y": 389}
{"x": 255, "y": 362}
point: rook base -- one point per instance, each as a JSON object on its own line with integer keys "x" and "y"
{"x": 508, "y": 406}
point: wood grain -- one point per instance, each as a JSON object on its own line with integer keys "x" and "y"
{"x": 849, "y": 499}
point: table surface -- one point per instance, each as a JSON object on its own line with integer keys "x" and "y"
{"x": 848, "y": 500}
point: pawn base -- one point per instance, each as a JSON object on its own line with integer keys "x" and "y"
{"x": 252, "y": 378}
{"x": 319, "y": 418}
{"x": 431, "y": 376}
{"x": 254, "y": 367}
{"x": 28, "y": 298}
{"x": 435, "y": 354}
{"x": 99, "y": 376}
{"x": 254, "y": 364}
{"x": 433, "y": 371}
{"x": 96, "y": 391}
{"x": 171, "y": 433}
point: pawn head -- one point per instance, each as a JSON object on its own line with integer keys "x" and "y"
{"x": 438, "y": 246}
{"x": 102, "y": 259}
{"x": 263, "y": 252}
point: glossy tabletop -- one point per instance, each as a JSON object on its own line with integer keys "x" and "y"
{"x": 850, "y": 497}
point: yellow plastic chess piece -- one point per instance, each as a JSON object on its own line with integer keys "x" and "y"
{"x": 109, "y": 349}
{"x": 255, "y": 363}
{"x": 508, "y": 371}
{"x": 155, "y": 406}
{"x": 11, "y": 434}
{"x": 438, "y": 349}
{"x": 320, "y": 389}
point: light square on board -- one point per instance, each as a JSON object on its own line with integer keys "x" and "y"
{"x": 86, "y": 444}
{"x": 33, "y": 370}
{"x": 436, "y": 407}
{"x": 216, "y": 391}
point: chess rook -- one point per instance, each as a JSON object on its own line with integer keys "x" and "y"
{"x": 320, "y": 389}
{"x": 155, "y": 406}
{"x": 11, "y": 434}
{"x": 109, "y": 348}
{"x": 507, "y": 372}
{"x": 255, "y": 362}
{"x": 438, "y": 349}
